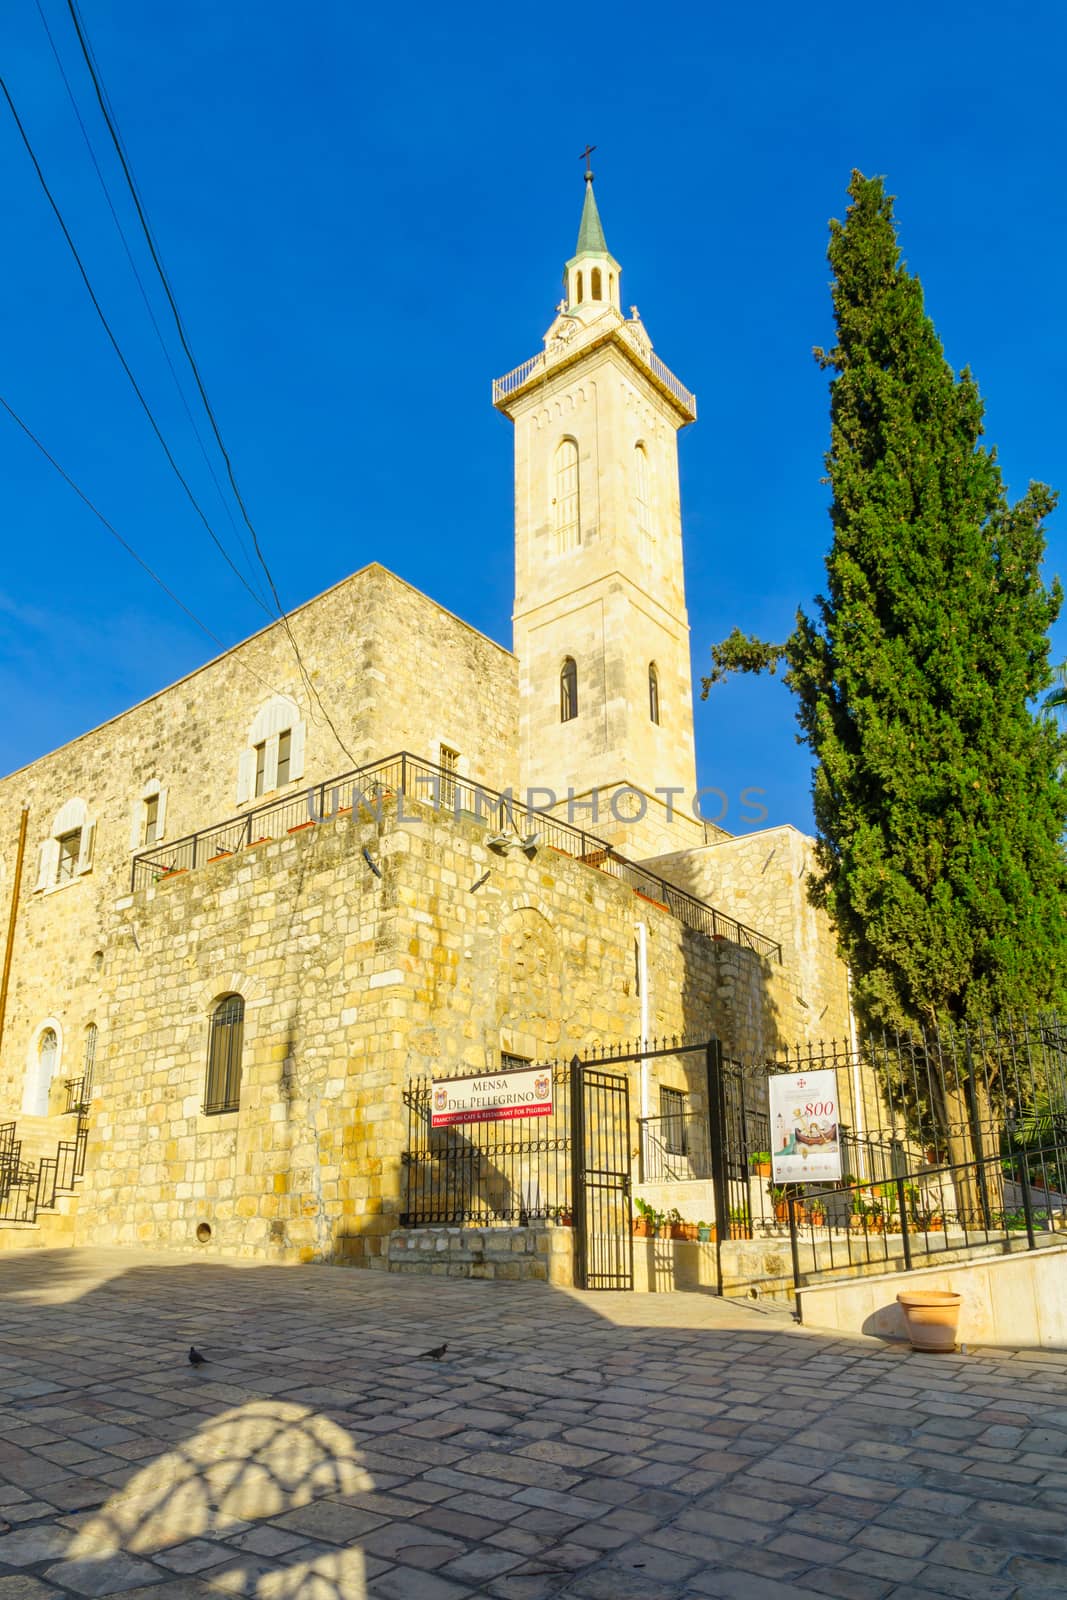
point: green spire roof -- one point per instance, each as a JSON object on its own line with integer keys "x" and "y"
{"x": 591, "y": 233}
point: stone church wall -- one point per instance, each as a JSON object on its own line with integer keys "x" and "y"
{"x": 353, "y": 984}
{"x": 395, "y": 671}
{"x": 762, "y": 880}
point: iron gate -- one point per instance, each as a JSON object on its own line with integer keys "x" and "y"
{"x": 600, "y": 1146}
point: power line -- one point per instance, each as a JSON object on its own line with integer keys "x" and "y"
{"x": 118, "y": 351}
{"x": 130, "y": 551}
{"x": 120, "y": 152}
{"x": 140, "y": 284}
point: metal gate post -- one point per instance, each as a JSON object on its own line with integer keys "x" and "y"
{"x": 578, "y": 1219}
{"x": 717, "y": 1137}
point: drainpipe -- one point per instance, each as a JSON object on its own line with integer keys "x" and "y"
{"x": 641, "y": 931}
{"x": 857, "y": 1082}
{"x": 15, "y": 888}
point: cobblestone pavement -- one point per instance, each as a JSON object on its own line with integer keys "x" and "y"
{"x": 593, "y": 1447}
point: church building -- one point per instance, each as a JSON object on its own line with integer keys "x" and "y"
{"x": 370, "y": 845}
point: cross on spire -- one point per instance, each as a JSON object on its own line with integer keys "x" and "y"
{"x": 586, "y": 153}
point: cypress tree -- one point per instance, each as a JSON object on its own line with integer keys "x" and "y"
{"x": 938, "y": 795}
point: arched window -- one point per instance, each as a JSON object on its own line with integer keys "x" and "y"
{"x": 148, "y": 819}
{"x": 568, "y": 690}
{"x": 68, "y": 850}
{"x": 653, "y": 692}
{"x": 274, "y": 754}
{"x": 223, "y": 1089}
{"x": 42, "y": 1066}
{"x": 567, "y": 503}
{"x": 579, "y": 288}
{"x": 644, "y": 521}
{"x": 596, "y": 291}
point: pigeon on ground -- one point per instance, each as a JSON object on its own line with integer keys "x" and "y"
{"x": 435, "y": 1354}
{"x": 195, "y": 1358}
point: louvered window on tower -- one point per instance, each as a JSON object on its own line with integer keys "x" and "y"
{"x": 567, "y": 501}
{"x": 223, "y": 1089}
{"x": 568, "y": 690}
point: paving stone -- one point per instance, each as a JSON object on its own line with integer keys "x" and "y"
{"x": 331, "y": 1520}
{"x": 894, "y": 1541}
{"x": 22, "y": 1587}
{"x": 733, "y": 1584}
{"x": 102, "y": 1575}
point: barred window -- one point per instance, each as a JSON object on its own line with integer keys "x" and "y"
{"x": 223, "y": 1091}
{"x": 672, "y": 1120}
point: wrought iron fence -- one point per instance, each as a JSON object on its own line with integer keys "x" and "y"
{"x": 514, "y": 1171}
{"x": 917, "y": 1217}
{"x": 367, "y": 790}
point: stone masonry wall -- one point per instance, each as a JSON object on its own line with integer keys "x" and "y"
{"x": 761, "y": 879}
{"x": 353, "y": 984}
{"x": 394, "y": 670}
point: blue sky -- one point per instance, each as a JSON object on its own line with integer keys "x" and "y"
{"x": 365, "y": 214}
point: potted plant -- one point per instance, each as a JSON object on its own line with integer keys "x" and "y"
{"x": 220, "y": 855}
{"x": 786, "y": 1197}
{"x": 931, "y": 1317}
{"x": 760, "y": 1164}
{"x": 740, "y": 1226}
{"x": 677, "y": 1228}
{"x": 646, "y": 1223}
{"x": 817, "y": 1211}
{"x": 706, "y": 1232}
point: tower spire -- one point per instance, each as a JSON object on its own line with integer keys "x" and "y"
{"x": 590, "y": 230}
{"x": 591, "y": 276}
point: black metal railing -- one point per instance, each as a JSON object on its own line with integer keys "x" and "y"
{"x": 368, "y": 789}
{"x": 675, "y": 1148}
{"x": 77, "y": 1097}
{"x": 912, "y": 1219}
{"x": 25, "y": 1188}
{"x": 514, "y": 1171}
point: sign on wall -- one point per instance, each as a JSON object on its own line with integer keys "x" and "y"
{"x": 492, "y": 1097}
{"x": 805, "y": 1137}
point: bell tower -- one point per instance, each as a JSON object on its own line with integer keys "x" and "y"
{"x": 600, "y": 626}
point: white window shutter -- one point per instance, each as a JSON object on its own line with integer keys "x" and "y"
{"x": 246, "y": 775}
{"x": 270, "y": 765}
{"x": 42, "y": 866}
{"x": 161, "y": 814}
{"x": 85, "y": 853}
{"x": 296, "y": 750}
{"x": 136, "y": 814}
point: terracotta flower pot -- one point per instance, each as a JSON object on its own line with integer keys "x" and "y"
{"x": 643, "y": 1229}
{"x": 932, "y": 1317}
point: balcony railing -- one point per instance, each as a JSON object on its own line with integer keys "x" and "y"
{"x": 410, "y": 777}
{"x": 515, "y": 379}
{"x": 669, "y": 381}
{"x": 675, "y": 1148}
{"x": 521, "y": 375}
